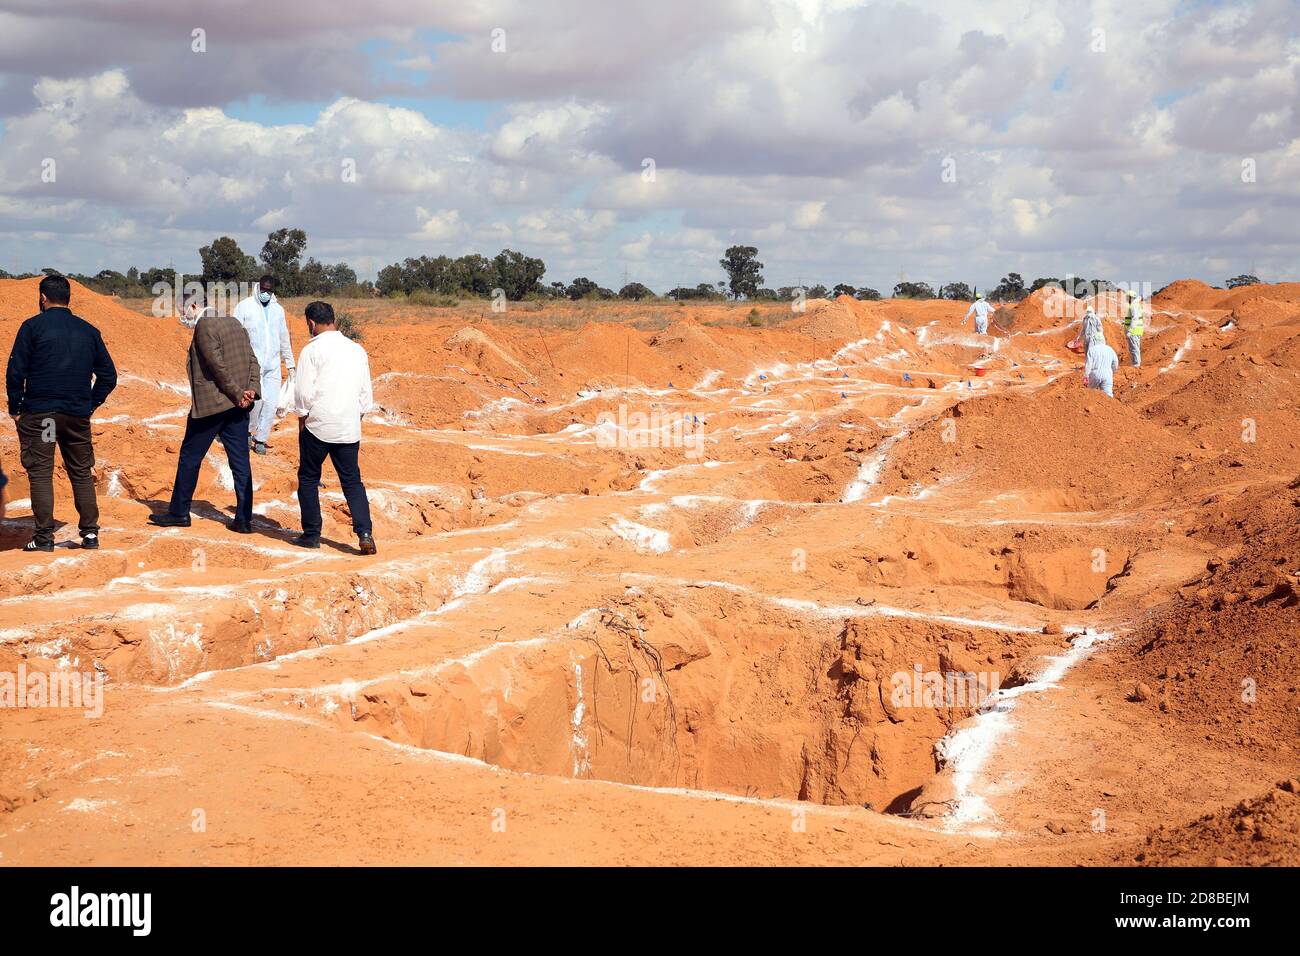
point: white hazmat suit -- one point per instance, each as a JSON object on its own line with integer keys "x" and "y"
{"x": 981, "y": 309}
{"x": 1091, "y": 329}
{"x": 1100, "y": 367}
{"x": 269, "y": 334}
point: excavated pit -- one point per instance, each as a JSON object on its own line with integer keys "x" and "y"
{"x": 706, "y": 689}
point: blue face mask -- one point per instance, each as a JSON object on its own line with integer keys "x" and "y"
{"x": 264, "y": 297}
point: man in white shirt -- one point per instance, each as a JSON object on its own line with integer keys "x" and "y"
{"x": 262, "y": 317}
{"x": 332, "y": 392}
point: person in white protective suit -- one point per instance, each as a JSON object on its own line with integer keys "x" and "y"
{"x": 262, "y": 317}
{"x": 1100, "y": 366}
{"x": 981, "y": 309}
{"x": 1091, "y": 328}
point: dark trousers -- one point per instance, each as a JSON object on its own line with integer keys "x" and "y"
{"x": 38, "y": 433}
{"x": 231, "y": 426}
{"x": 312, "y": 453}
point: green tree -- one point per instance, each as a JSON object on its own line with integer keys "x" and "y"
{"x": 868, "y": 295}
{"x": 956, "y": 291}
{"x": 517, "y": 274}
{"x": 581, "y": 288}
{"x": 474, "y": 274}
{"x": 913, "y": 290}
{"x": 389, "y": 281}
{"x": 635, "y": 290}
{"x": 1237, "y": 282}
{"x": 744, "y": 271}
{"x": 843, "y": 288}
{"x": 281, "y": 255}
{"x": 224, "y": 261}
{"x": 1010, "y": 289}
{"x": 340, "y": 276}
{"x": 151, "y": 277}
{"x": 312, "y": 279}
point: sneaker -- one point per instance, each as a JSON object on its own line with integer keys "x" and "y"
{"x": 166, "y": 520}
{"x": 90, "y": 541}
{"x": 34, "y": 545}
{"x": 366, "y": 544}
{"x": 306, "y": 540}
{"x": 259, "y": 448}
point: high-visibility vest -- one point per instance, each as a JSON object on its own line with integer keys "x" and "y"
{"x": 1133, "y": 320}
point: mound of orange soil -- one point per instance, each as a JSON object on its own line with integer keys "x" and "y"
{"x": 488, "y": 357}
{"x": 1187, "y": 294}
{"x": 690, "y": 348}
{"x": 839, "y": 321}
{"x": 608, "y": 354}
{"x": 1223, "y": 656}
{"x": 1262, "y": 831}
{"x": 1286, "y": 292}
{"x": 917, "y": 312}
{"x": 1248, "y": 397}
{"x": 1047, "y": 308}
{"x": 1261, "y": 312}
{"x": 141, "y": 345}
{"x": 1064, "y": 447}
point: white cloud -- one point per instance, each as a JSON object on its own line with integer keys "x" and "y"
{"x": 437, "y": 226}
{"x": 814, "y": 129}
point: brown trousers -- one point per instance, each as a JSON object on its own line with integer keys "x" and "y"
{"x": 38, "y": 433}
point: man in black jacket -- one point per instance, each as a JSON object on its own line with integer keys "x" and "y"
{"x": 59, "y": 373}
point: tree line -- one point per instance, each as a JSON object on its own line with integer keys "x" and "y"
{"x": 518, "y": 276}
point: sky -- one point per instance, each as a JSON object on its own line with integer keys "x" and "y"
{"x": 869, "y": 143}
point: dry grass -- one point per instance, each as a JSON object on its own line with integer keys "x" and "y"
{"x": 646, "y": 316}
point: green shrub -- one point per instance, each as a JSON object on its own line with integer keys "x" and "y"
{"x": 345, "y": 323}
{"x": 431, "y": 298}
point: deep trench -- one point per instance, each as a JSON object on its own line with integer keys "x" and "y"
{"x": 712, "y": 692}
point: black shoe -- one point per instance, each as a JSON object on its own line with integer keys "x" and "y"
{"x": 366, "y": 544}
{"x": 34, "y": 545}
{"x": 306, "y": 540}
{"x": 240, "y": 526}
{"x": 259, "y": 448}
{"x": 168, "y": 520}
{"x": 90, "y": 541}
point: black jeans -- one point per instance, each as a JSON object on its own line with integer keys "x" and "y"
{"x": 312, "y": 453}
{"x": 38, "y": 433}
{"x": 231, "y": 426}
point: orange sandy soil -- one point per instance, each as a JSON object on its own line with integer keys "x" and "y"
{"x": 575, "y": 651}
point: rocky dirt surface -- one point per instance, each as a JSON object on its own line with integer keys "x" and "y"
{"x": 689, "y": 585}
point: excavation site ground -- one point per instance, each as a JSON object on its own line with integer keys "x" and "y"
{"x": 690, "y": 584}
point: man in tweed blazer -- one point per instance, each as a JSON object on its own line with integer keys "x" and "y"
{"x": 224, "y": 382}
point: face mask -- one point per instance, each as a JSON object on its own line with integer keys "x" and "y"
{"x": 264, "y": 297}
